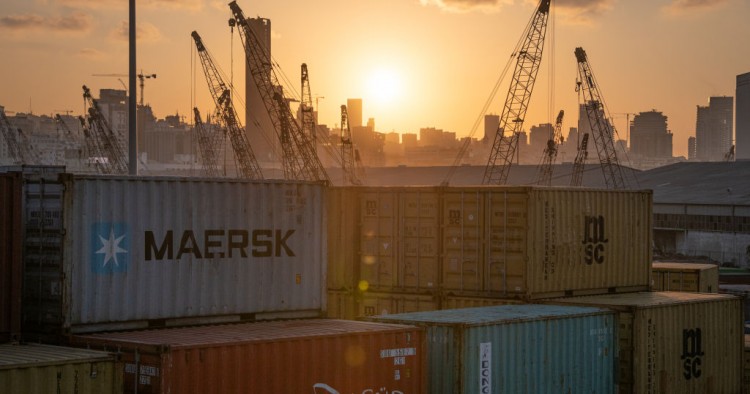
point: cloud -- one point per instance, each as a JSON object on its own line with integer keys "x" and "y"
{"x": 582, "y": 11}
{"x": 144, "y": 32}
{"x": 466, "y": 5}
{"x": 188, "y": 4}
{"x": 91, "y": 54}
{"x": 683, "y": 6}
{"x": 77, "y": 22}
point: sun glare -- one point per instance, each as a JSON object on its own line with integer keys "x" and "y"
{"x": 384, "y": 86}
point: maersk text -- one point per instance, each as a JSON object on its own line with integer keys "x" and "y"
{"x": 218, "y": 243}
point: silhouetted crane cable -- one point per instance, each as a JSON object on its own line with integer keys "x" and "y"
{"x": 545, "y": 169}
{"x": 12, "y": 138}
{"x": 528, "y": 60}
{"x": 222, "y": 96}
{"x": 304, "y": 161}
{"x": 580, "y": 161}
{"x": 467, "y": 142}
{"x": 207, "y": 147}
{"x": 348, "y": 165}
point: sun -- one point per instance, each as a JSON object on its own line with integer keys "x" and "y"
{"x": 384, "y": 86}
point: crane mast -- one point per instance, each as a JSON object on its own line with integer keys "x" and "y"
{"x": 528, "y": 59}
{"x": 207, "y": 147}
{"x": 303, "y": 160}
{"x": 580, "y": 161}
{"x": 347, "y": 150}
{"x": 12, "y": 140}
{"x": 544, "y": 176}
{"x": 307, "y": 110}
{"x": 106, "y": 141}
{"x": 248, "y": 165}
{"x": 601, "y": 127}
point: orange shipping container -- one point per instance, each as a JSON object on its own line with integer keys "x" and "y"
{"x": 296, "y": 356}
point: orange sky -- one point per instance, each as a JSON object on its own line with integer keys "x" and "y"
{"x": 415, "y": 63}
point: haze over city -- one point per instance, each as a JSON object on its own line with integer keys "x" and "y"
{"x": 426, "y": 63}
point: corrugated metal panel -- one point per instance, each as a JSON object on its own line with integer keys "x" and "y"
{"x": 10, "y": 256}
{"x": 742, "y": 291}
{"x": 517, "y": 349}
{"x": 458, "y": 302}
{"x": 52, "y": 369}
{"x": 746, "y": 366}
{"x": 670, "y": 209}
{"x": 675, "y": 342}
{"x": 689, "y": 277}
{"x": 373, "y": 303}
{"x": 718, "y": 210}
{"x": 341, "y": 305}
{"x": 304, "y": 356}
{"x": 343, "y": 242}
{"x": 463, "y": 240}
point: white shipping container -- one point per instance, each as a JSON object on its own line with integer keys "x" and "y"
{"x": 173, "y": 249}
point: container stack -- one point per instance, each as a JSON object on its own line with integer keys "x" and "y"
{"x": 687, "y": 277}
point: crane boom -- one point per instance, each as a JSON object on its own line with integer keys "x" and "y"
{"x": 601, "y": 127}
{"x": 580, "y": 161}
{"x": 306, "y": 107}
{"x": 248, "y": 165}
{"x": 347, "y": 150}
{"x": 207, "y": 147}
{"x": 107, "y": 143}
{"x": 544, "y": 176}
{"x": 303, "y": 160}
{"x": 12, "y": 137}
{"x": 528, "y": 59}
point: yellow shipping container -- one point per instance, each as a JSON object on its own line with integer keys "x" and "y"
{"x": 387, "y": 303}
{"x": 690, "y": 277}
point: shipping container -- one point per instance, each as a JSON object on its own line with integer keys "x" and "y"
{"x": 673, "y": 342}
{"x": 746, "y": 366}
{"x": 109, "y": 252}
{"x": 517, "y": 349}
{"x": 399, "y": 238}
{"x": 382, "y": 303}
{"x": 10, "y": 256}
{"x": 295, "y": 356}
{"x": 688, "y": 277}
{"x": 343, "y": 244}
{"x": 342, "y": 304}
{"x": 458, "y": 302}
{"x": 36, "y": 368}
{"x": 507, "y": 242}
{"x": 741, "y": 291}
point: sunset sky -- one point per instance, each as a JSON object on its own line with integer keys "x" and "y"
{"x": 415, "y": 63}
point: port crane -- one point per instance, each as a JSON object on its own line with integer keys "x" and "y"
{"x": 301, "y": 159}
{"x": 580, "y": 161}
{"x": 544, "y": 175}
{"x": 248, "y": 165}
{"x": 207, "y": 146}
{"x": 307, "y": 111}
{"x": 528, "y": 60}
{"x": 601, "y": 126}
{"x": 348, "y": 159}
{"x": 107, "y": 148}
{"x": 16, "y": 149}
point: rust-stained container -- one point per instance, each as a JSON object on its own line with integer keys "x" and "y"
{"x": 111, "y": 253}
{"x": 343, "y": 216}
{"x": 10, "y": 255}
{"x": 295, "y": 356}
{"x": 375, "y": 303}
{"x": 688, "y": 277}
{"x": 399, "y": 237}
{"x": 535, "y": 242}
{"x": 36, "y": 368}
{"x": 672, "y": 342}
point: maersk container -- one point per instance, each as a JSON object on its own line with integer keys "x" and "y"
{"x": 295, "y": 356}
{"x": 10, "y": 256}
{"x": 36, "y": 368}
{"x": 105, "y": 253}
{"x": 688, "y": 277}
{"x": 517, "y": 349}
{"x": 671, "y": 342}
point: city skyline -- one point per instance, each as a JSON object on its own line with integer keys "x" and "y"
{"x": 415, "y": 64}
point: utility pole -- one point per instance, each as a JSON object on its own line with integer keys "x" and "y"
{"x": 132, "y": 134}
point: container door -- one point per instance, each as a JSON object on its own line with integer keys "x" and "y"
{"x": 463, "y": 242}
{"x": 378, "y": 239}
{"x": 418, "y": 263}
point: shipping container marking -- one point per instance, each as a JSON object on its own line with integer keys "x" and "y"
{"x": 594, "y": 239}
{"x": 692, "y": 351}
{"x": 110, "y": 247}
{"x": 485, "y": 367}
{"x": 219, "y": 243}
{"x": 322, "y": 388}
{"x": 407, "y": 351}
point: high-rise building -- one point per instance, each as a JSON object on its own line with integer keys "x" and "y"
{"x": 491, "y": 123}
{"x": 713, "y": 129}
{"x": 538, "y": 137}
{"x": 649, "y": 136}
{"x": 260, "y": 131}
{"x": 742, "y": 118}
{"x": 691, "y": 148}
{"x": 354, "y": 110}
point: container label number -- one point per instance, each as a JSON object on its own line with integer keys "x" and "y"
{"x": 485, "y": 367}
{"x": 594, "y": 239}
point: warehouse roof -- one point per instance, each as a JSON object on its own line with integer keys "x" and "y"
{"x": 714, "y": 183}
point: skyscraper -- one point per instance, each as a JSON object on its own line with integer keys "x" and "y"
{"x": 260, "y": 130}
{"x": 742, "y": 115}
{"x": 649, "y": 136}
{"x": 691, "y": 148}
{"x": 354, "y": 110}
{"x": 713, "y": 129}
{"x": 491, "y": 123}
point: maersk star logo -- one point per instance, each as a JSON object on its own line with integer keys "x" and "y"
{"x": 110, "y": 248}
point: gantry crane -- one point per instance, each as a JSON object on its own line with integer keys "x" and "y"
{"x": 544, "y": 175}
{"x": 207, "y": 147}
{"x": 601, "y": 127}
{"x": 580, "y": 161}
{"x": 16, "y": 151}
{"x": 302, "y": 160}
{"x": 248, "y": 165}
{"x": 528, "y": 59}
{"x": 306, "y": 109}
{"x": 348, "y": 159}
{"x": 108, "y": 148}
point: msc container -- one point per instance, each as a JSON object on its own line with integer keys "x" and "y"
{"x": 302, "y": 356}
{"x": 670, "y": 342}
{"x": 688, "y": 277}
{"x": 535, "y": 242}
{"x": 106, "y": 253}
{"x": 742, "y": 291}
{"x": 10, "y": 256}
{"x": 399, "y": 238}
{"x": 35, "y": 368}
{"x": 517, "y": 349}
